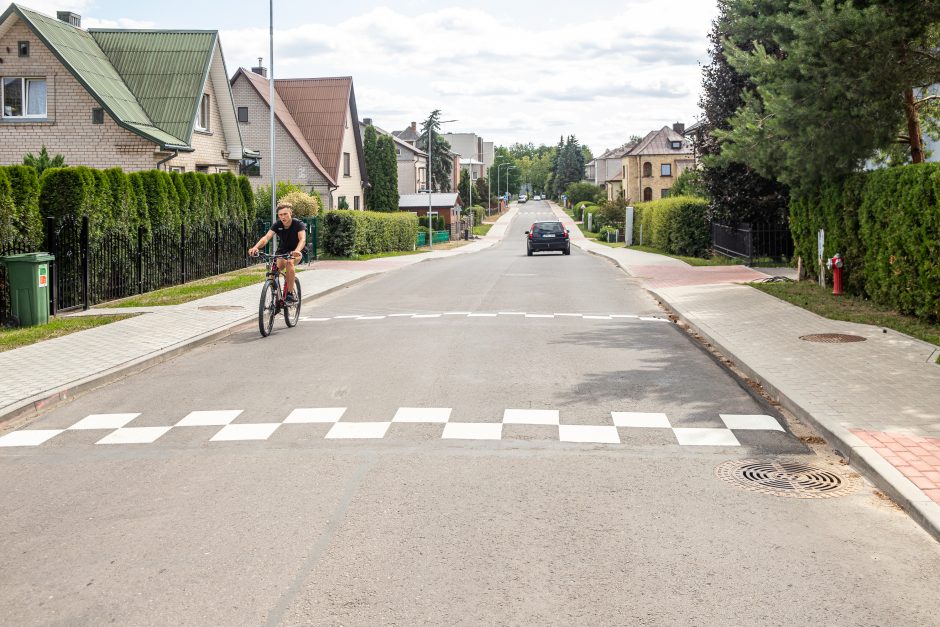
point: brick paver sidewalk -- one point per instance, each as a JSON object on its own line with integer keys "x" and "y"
{"x": 877, "y": 401}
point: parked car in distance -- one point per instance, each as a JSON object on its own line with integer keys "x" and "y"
{"x": 536, "y": 197}
{"x": 546, "y": 236}
{"x": 523, "y": 198}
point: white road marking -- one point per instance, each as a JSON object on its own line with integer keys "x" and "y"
{"x": 482, "y": 315}
{"x": 705, "y": 437}
{"x": 371, "y": 318}
{"x": 531, "y": 417}
{"x": 473, "y": 431}
{"x": 358, "y": 431}
{"x": 29, "y": 437}
{"x": 240, "y": 432}
{"x": 640, "y": 420}
{"x": 134, "y": 435}
{"x": 596, "y": 317}
{"x": 315, "y": 415}
{"x": 540, "y": 315}
{"x": 426, "y": 316}
{"x": 422, "y": 414}
{"x": 103, "y": 421}
{"x": 209, "y": 418}
{"x": 594, "y": 434}
{"x": 751, "y": 423}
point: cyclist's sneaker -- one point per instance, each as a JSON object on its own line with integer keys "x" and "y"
{"x": 291, "y": 299}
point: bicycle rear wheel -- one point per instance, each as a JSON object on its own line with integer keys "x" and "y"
{"x": 267, "y": 308}
{"x": 292, "y": 311}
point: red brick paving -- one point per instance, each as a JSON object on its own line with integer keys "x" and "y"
{"x": 917, "y": 458}
{"x": 678, "y": 276}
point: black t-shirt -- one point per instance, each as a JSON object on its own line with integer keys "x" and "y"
{"x": 288, "y": 236}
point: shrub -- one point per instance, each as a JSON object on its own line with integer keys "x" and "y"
{"x": 262, "y": 198}
{"x": 349, "y": 233}
{"x": 305, "y": 205}
{"x": 604, "y": 232}
{"x": 581, "y": 192}
{"x": 123, "y": 201}
{"x": 478, "y": 214}
{"x": 675, "y": 225}
{"x": 161, "y": 199}
{"x": 72, "y": 192}
{"x": 689, "y": 183}
{"x": 248, "y": 196}
{"x": 8, "y": 231}
{"x": 24, "y": 188}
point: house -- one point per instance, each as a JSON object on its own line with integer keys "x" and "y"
{"x": 590, "y": 171}
{"x": 650, "y": 168}
{"x": 412, "y": 162}
{"x": 323, "y": 110}
{"x": 609, "y": 164}
{"x": 477, "y": 169}
{"x": 445, "y": 204}
{"x": 296, "y": 160}
{"x": 410, "y": 135}
{"x": 136, "y": 99}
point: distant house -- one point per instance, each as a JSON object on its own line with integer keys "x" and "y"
{"x": 447, "y": 205}
{"x": 410, "y": 135}
{"x": 412, "y": 162}
{"x": 650, "y": 168}
{"x": 323, "y": 111}
{"x": 137, "y": 99}
{"x": 610, "y": 163}
{"x": 296, "y": 160}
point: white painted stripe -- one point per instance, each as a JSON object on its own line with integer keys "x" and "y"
{"x": 456, "y": 313}
{"x": 134, "y": 435}
{"x": 595, "y": 317}
{"x": 315, "y": 415}
{"x": 567, "y": 315}
{"x": 539, "y": 315}
{"x": 426, "y": 316}
{"x": 751, "y": 423}
{"x": 706, "y": 437}
{"x": 422, "y": 414}
{"x": 648, "y": 319}
{"x": 209, "y": 418}
{"x": 29, "y": 437}
{"x": 531, "y": 417}
{"x": 358, "y": 431}
{"x": 303, "y": 319}
{"x": 473, "y": 431}
{"x": 482, "y": 315}
{"x": 245, "y": 432}
{"x": 345, "y": 317}
{"x": 400, "y": 315}
{"x": 512, "y": 313}
{"x": 588, "y": 434}
{"x": 371, "y": 318}
{"x": 623, "y": 316}
{"x": 103, "y": 421}
{"x": 640, "y": 420}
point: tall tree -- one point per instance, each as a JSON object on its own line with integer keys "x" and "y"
{"x": 463, "y": 188}
{"x": 835, "y": 80}
{"x": 442, "y": 167}
{"x": 382, "y": 170}
{"x": 370, "y": 155}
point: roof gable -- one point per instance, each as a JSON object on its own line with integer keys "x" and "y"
{"x": 660, "y": 143}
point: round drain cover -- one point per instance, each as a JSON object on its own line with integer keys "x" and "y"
{"x": 832, "y": 338}
{"x": 785, "y": 478}
{"x": 221, "y": 308}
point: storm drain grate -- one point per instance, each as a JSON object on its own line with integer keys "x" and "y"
{"x": 785, "y": 478}
{"x": 832, "y": 338}
{"x": 221, "y": 308}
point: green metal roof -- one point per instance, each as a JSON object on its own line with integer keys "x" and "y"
{"x": 165, "y": 70}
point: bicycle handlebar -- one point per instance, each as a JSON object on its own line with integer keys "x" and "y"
{"x": 277, "y": 256}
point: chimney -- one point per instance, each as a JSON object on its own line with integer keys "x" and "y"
{"x": 679, "y": 127}
{"x": 260, "y": 70}
{"x": 68, "y": 17}
{"x": 367, "y": 121}
{"x": 414, "y": 128}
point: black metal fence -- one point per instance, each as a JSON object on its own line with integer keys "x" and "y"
{"x": 94, "y": 268}
{"x": 760, "y": 243}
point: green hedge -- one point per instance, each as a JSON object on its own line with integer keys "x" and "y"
{"x": 886, "y": 224}
{"x": 20, "y": 220}
{"x": 677, "y": 225}
{"x": 349, "y": 233}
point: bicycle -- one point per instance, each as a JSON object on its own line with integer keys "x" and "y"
{"x": 274, "y": 298}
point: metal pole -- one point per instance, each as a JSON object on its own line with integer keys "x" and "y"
{"x": 430, "y": 183}
{"x": 271, "y": 105}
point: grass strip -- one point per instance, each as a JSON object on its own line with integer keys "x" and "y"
{"x": 810, "y": 296}
{"x": 195, "y": 290}
{"x": 57, "y": 327}
{"x": 482, "y": 229}
{"x": 397, "y": 253}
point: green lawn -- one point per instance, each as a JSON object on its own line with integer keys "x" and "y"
{"x": 397, "y": 253}
{"x": 197, "y": 289}
{"x": 482, "y": 229}
{"x": 809, "y": 295}
{"x": 57, "y": 327}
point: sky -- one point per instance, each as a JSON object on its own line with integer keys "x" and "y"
{"x": 510, "y": 71}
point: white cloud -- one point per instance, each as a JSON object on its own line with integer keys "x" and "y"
{"x": 118, "y": 23}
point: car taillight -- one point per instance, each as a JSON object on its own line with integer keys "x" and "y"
{"x": 566, "y": 234}
{"x": 531, "y": 231}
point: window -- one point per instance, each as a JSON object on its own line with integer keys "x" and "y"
{"x": 398, "y": 151}
{"x": 243, "y": 115}
{"x": 221, "y": 170}
{"x": 665, "y": 193}
{"x": 647, "y": 169}
{"x": 97, "y": 116}
{"x": 665, "y": 169}
{"x": 202, "y": 114}
{"x": 250, "y": 167}
{"x": 177, "y": 168}
{"x": 346, "y": 164}
{"x": 24, "y": 97}
{"x": 624, "y": 171}
{"x": 676, "y": 145}
{"x": 341, "y": 203}
{"x": 648, "y": 194}
{"x": 356, "y": 203}
{"x": 202, "y": 168}
{"x": 23, "y": 48}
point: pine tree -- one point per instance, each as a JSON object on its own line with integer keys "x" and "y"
{"x": 372, "y": 159}
{"x": 442, "y": 167}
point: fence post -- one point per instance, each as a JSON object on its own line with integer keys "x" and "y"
{"x": 52, "y": 244}
{"x": 316, "y": 238}
{"x": 218, "y": 258}
{"x": 182, "y": 253}
{"x": 86, "y": 291}
{"x": 750, "y": 246}
{"x": 140, "y": 259}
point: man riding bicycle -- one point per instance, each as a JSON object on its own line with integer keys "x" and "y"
{"x": 291, "y": 237}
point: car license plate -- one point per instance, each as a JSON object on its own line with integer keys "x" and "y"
{"x": 549, "y": 235}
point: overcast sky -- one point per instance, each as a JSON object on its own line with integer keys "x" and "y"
{"x": 519, "y": 70}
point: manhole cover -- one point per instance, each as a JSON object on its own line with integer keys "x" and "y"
{"x": 221, "y": 308}
{"x": 832, "y": 338}
{"x": 785, "y": 478}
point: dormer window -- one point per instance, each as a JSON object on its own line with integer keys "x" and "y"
{"x": 676, "y": 145}
{"x": 202, "y": 114}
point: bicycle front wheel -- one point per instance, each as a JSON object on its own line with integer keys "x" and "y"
{"x": 267, "y": 308}
{"x": 292, "y": 311}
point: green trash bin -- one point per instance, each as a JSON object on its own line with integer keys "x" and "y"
{"x": 30, "y": 281}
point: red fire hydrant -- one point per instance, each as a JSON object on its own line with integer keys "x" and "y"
{"x": 836, "y": 264}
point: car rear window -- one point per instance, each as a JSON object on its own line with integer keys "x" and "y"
{"x": 549, "y": 227}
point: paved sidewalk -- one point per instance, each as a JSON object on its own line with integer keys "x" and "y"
{"x": 877, "y": 401}
{"x": 43, "y": 374}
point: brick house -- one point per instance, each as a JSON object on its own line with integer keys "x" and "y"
{"x": 103, "y": 98}
{"x": 650, "y": 168}
{"x": 412, "y": 162}
{"x": 321, "y": 111}
{"x": 444, "y": 204}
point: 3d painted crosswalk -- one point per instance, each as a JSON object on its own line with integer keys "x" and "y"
{"x": 121, "y": 430}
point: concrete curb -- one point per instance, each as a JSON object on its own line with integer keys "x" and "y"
{"x": 23, "y": 411}
{"x": 881, "y": 473}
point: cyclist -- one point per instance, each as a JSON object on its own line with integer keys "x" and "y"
{"x": 291, "y": 238}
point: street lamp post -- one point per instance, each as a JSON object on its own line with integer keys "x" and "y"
{"x": 512, "y": 167}
{"x": 499, "y": 175}
{"x": 271, "y": 102}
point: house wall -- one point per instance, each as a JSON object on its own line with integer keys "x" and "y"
{"x": 208, "y": 146}
{"x": 292, "y": 164}
{"x": 349, "y": 186}
{"x": 635, "y": 182}
{"x": 67, "y": 130}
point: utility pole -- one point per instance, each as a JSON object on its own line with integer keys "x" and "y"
{"x": 271, "y": 106}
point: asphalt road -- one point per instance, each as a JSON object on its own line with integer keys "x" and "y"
{"x": 453, "y": 488}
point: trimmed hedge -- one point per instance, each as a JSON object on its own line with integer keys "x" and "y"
{"x": 20, "y": 220}
{"x": 349, "y": 233}
{"x": 886, "y": 224}
{"x": 676, "y": 225}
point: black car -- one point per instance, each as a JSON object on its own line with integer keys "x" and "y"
{"x": 545, "y": 236}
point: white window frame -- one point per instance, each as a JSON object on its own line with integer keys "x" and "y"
{"x": 203, "y": 111}
{"x": 24, "y": 86}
